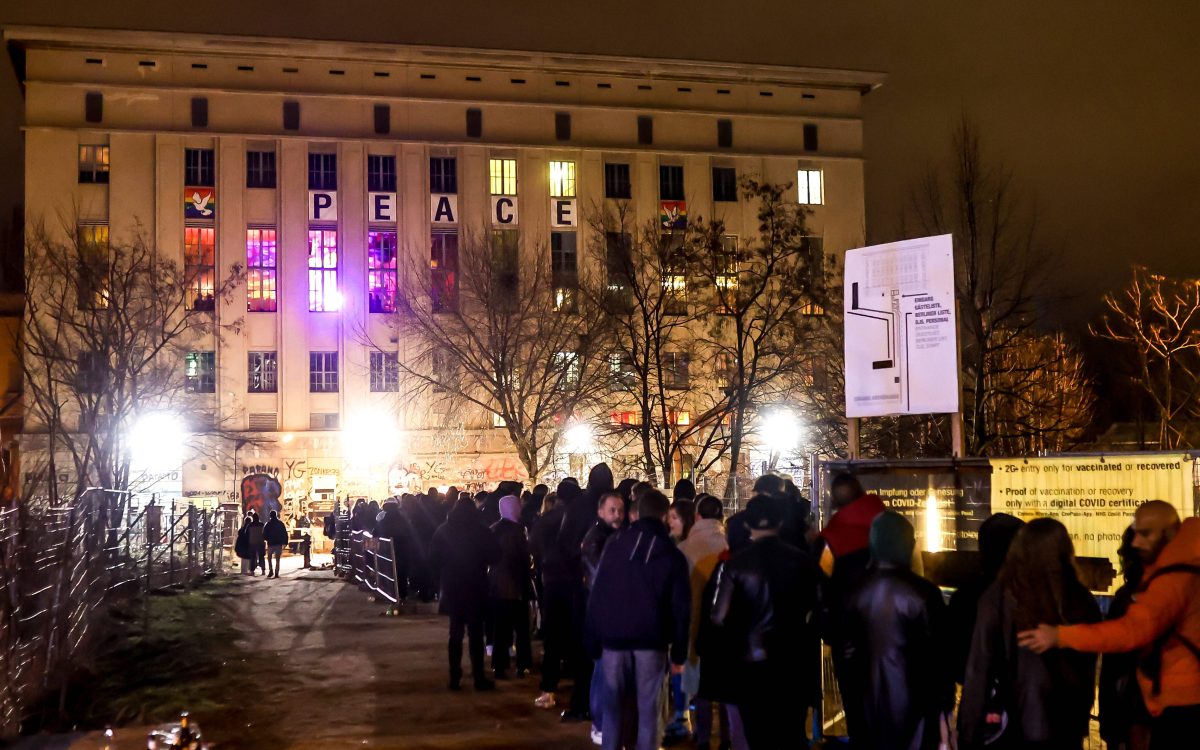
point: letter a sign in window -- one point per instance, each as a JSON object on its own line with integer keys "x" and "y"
{"x": 322, "y": 205}
{"x": 443, "y": 208}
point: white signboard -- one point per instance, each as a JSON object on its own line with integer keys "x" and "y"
{"x": 443, "y": 208}
{"x": 504, "y": 210}
{"x": 381, "y": 207}
{"x": 901, "y": 343}
{"x": 322, "y": 205}
{"x": 562, "y": 212}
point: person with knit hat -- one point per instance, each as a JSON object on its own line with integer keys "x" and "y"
{"x": 767, "y": 593}
{"x": 510, "y": 589}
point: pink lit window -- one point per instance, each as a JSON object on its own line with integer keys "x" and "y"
{"x": 381, "y": 271}
{"x": 260, "y": 270}
{"x": 322, "y": 271}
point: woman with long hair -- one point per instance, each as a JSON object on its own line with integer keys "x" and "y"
{"x": 1012, "y": 697}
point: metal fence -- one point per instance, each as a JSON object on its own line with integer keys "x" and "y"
{"x": 61, "y": 568}
{"x": 372, "y": 565}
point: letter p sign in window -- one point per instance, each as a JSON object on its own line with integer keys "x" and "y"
{"x": 322, "y": 205}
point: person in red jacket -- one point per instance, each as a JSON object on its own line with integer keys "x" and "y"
{"x": 1164, "y": 621}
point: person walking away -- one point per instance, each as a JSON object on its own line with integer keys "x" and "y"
{"x": 897, "y": 624}
{"x": 995, "y": 537}
{"x": 510, "y": 588}
{"x": 720, "y": 651}
{"x": 557, "y": 581}
{"x": 461, "y": 551}
{"x": 1013, "y": 697}
{"x": 242, "y": 548}
{"x": 844, "y": 554}
{"x": 1124, "y": 721}
{"x": 702, "y": 549}
{"x": 275, "y": 534}
{"x": 609, "y": 518}
{"x": 258, "y": 546}
{"x": 637, "y": 621}
{"x": 765, "y": 596}
{"x": 1163, "y": 623}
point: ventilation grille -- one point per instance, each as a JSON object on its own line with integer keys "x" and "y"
{"x": 318, "y": 421}
{"x": 265, "y": 421}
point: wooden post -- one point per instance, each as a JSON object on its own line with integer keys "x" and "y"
{"x": 957, "y": 444}
{"x": 852, "y": 438}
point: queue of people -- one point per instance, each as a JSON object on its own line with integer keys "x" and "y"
{"x": 672, "y": 622}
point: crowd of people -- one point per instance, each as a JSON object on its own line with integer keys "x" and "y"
{"x": 671, "y": 621}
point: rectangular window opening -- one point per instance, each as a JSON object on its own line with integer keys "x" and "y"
{"x": 323, "y": 293}
{"x": 260, "y": 169}
{"x": 322, "y": 372}
{"x": 262, "y": 372}
{"x": 617, "y": 183}
{"x": 443, "y": 271}
{"x": 562, "y": 179}
{"x": 322, "y": 171}
{"x": 261, "y": 254}
{"x": 381, "y": 173}
{"x": 93, "y": 164}
{"x": 382, "y": 271}
{"x": 199, "y": 167}
{"x": 670, "y": 182}
{"x": 385, "y": 372}
{"x": 199, "y": 258}
{"x": 502, "y": 176}
{"x": 724, "y": 184}
{"x": 443, "y": 174}
{"x": 200, "y": 372}
{"x": 810, "y": 187}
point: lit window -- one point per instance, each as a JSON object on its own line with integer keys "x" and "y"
{"x": 94, "y": 256}
{"x": 200, "y": 372}
{"x": 93, "y": 165}
{"x": 810, "y": 186}
{"x": 726, "y": 369}
{"x": 322, "y": 372}
{"x": 263, "y": 372}
{"x": 620, "y": 368}
{"x": 503, "y": 173}
{"x": 260, "y": 270}
{"x": 562, "y": 179}
{"x": 680, "y": 418}
{"x": 498, "y": 421}
{"x": 625, "y": 418}
{"x": 674, "y": 281}
{"x": 443, "y": 270}
{"x": 726, "y": 263}
{"x": 322, "y": 271}
{"x": 381, "y": 271}
{"x": 199, "y": 259}
{"x": 568, "y": 363}
{"x": 814, "y": 248}
{"x": 676, "y": 366}
{"x": 385, "y": 372}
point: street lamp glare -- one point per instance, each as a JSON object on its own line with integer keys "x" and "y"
{"x": 578, "y": 438}
{"x": 156, "y": 441}
{"x": 781, "y": 431}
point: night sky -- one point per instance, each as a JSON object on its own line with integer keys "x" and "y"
{"x": 1093, "y": 105}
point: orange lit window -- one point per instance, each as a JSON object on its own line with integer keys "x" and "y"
{"x": 199, "y": 258}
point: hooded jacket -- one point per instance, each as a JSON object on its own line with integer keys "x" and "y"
{"x": 580, "y": 515}
{"x": 640, "y": 599}
{"x": 593, "y": 547}
{"x": 702, "y": 548}
{"x": 461, "y": 551}
{"x": 275, "y": 534}
{"x": 1167, "y": 606}
{"x": 510, "y": 578}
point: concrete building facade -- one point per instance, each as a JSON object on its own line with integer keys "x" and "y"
{"x": 321, "y": 166}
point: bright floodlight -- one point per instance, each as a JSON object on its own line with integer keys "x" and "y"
{"x": 781, "y": 432}
{"x": 578, "y": 438}
{"x": 370, "y": 438}
{"x": 156, "y": 441}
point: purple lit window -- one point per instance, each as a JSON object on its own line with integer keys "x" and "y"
{"x": 381, "y": 271}
{"x": 260, "y": 270}
{"x": 322, "y": 271}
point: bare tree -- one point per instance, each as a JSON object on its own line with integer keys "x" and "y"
{"x": 107, "y": 328}
{"x": 488, "y": 327}
{"x": 1158, "y": 318}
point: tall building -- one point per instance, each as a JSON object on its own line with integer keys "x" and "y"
{"x": 322, "y": 166}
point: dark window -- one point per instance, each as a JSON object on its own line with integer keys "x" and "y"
{"x": 199, "y": 112}
{"x": 198, "y": 167}
{"x": 724, "y": 133}
{"x": 443, "y": 270}
{"x": 670, "y": 182}
{"x": 381, "y": 271}
{"x": 383, "y": 118}
{"x": 724, "y": 184}
{"x": 263, "y": 372}
{"x": 562, "y": 126}
{"x": 291, "y": 115}
{"x": 200, "y": 372}
{"x": 260, "y": 169}
{"x": 443, "y": 174}
{"x": 385, "y": 372}
{"x": 93, "y": 165}
{"x": 505, "y": 257}
{"x": 645, "y": 130}
{"x": 474, "y": 123}
{"x": 381, "y": 174}
{"x": 618, "y": 260}
{"x": 676, "y": 369}
{"x": 810, "y": 137}
{"x": 322, "y": 171}
{"x": 91, "y": 374}
{"x": 564, "y": 268}
{"x": 616, "y": 181}
{"x": 93, "y": 106}
{"x": 322, "y": 372}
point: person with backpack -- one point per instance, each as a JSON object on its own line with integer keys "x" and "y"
{"x": 1015, "y": 698}
{"x": 242, "y": 548}
{"x": 275, "y": 534}
{"x": 1163, "y": 622}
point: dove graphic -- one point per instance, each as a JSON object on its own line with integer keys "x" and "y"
{"x": 200, "y": 203}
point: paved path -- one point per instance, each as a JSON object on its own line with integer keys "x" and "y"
{"x": 352, "y": 678}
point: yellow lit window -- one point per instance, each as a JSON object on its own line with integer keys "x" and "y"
{"x": 503, "y": 174}
{"x": 727, "y": 276}
{"x": 562, "y": 179}
{"x": 93, "y": 267}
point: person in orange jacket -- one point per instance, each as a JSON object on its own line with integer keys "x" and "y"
{"x": 1164, "y": 621}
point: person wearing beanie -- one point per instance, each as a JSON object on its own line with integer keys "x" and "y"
{"x": 896, "y": 625}
{"x": 684, "y": 490}
{"x": 768, "y": 591}
{"x": 510, "y": 589}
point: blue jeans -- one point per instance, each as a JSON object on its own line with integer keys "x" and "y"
{"x": 633, "y": 689}
{"x": 596, "y": 697}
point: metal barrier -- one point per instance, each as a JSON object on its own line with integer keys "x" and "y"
{"x": 372, "y": 565}
{"x": 60, "y": 566}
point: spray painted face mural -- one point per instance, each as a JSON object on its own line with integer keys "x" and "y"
{"x": 260, "y": 493}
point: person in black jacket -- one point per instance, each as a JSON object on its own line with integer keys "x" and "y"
{"x": 896, "y": 624}
{"x": 638, "y": 610}
{"x": 461, "y": 551}
{"x": 609, "y": 518}
{"x": 1027, "y": 700}
{"x": 995, "y": 537}
{"x": 557, "y": 592}
{"x": 510, "y": 589}
{"x": 275, "y": 534}
{"x": 1124, "y": 720}
{"x": 764, "y": 599}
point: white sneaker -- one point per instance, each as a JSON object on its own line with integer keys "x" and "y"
{"x": 597, "y": 737}
{"x": 488, "y": 649}
{"x": 545, "y": 700}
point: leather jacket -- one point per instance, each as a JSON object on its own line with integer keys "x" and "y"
{"x": 592, "y": 548}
